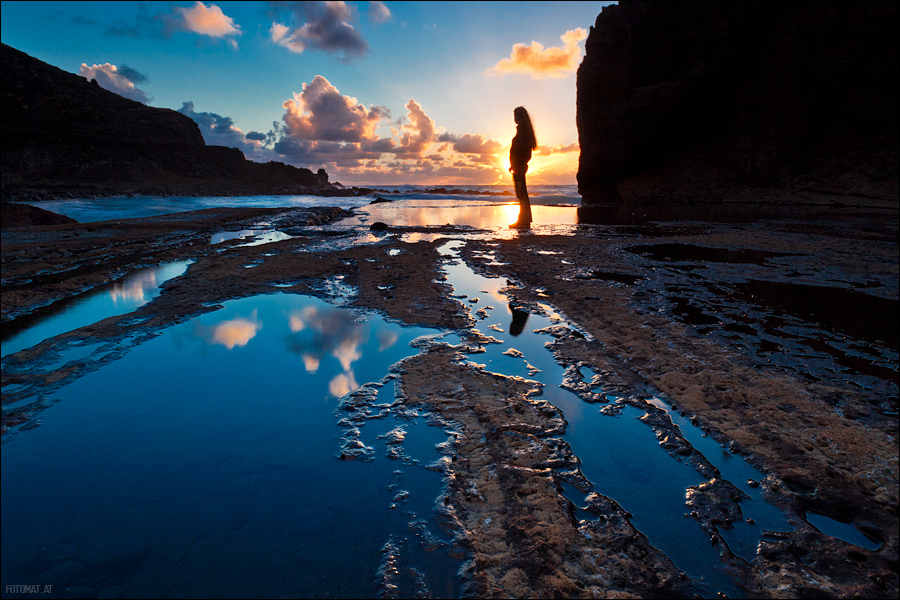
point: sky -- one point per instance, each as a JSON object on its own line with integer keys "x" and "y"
{"x": 376, "y": 93}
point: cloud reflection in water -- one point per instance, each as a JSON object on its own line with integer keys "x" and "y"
{"x": 317, "y": 332}
{"x": 231, "y": 333}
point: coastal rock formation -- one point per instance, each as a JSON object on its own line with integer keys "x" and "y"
{"x": 64, "y": 136}
{"x": 717, "y": 101}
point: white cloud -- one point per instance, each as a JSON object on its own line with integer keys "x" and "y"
{"x": 110, "y": 78}
{"x": 378, "y": 12}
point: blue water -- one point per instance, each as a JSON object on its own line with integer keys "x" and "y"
{"x": 118, "y": 298}
{"x": 123, "y": 207}
{"x": 843, "y": 531}
{"x": 217, "y": 443}
{"x": 620, "y": 455}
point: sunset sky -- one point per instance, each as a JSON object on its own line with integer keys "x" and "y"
{"x": 373, "y": 92}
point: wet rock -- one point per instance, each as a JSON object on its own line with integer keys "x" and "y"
{"x": 81, "y": 591}
{"x": 715, "y": 503}
{"x": 111, "y": 592}
{"x": 378, "y": 226}
{"x": 115, "y": 554}
{"x": 64, "y": 574}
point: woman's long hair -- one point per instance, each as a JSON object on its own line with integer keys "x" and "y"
{"x": 524, "y": 121}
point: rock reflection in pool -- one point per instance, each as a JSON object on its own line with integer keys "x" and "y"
{"x": 217, "y": 443}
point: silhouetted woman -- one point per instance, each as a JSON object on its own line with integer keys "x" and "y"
{"x": 519, "y": 155}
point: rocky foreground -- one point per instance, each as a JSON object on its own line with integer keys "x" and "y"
{"x": 824, "y": 433}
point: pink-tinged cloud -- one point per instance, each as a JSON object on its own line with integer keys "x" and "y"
{"x": 110, "y": 78}
{"x": 321, "y": 113}
{"x": 378, "y": 12}
{"x": 558, "y": 149}
{"x": 207, "y": 20}
{"x": 539, "y": 62}
{"x": 469, "y": 143}
{"x": 324, "y": 26}
{"x": 418, "y": 135}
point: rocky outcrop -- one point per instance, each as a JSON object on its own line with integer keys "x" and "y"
{"x": 25, "y": 215}
{"x": 66, "y": 136}
{"x": 737, "y": 100}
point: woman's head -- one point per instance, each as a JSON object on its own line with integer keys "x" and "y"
{"x": 523, "y": 120}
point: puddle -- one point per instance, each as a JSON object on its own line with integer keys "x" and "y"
{"x": 257, "y": 237}
{"x": 842, "y": 531}
{"x": 690, "y": 252}
{"x": 231, "y": 442}
{"x": 423, "y": 213}
{"x": 861, "y": 315}
{"x": 620, "y": 455}
{"x": 118, "y": 298}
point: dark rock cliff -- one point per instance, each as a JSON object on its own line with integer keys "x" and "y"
{"x": 65, "y": 136}
{"x": 719, "y": 101}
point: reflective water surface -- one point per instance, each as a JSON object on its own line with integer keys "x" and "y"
{"x": 119, "y": 298}
{"x": 216, "y": 444}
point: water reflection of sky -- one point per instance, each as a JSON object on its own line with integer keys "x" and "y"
{"x": 123, "y": 296}
{"x": 422, "y": 213}
{"x": 217, "y": 442}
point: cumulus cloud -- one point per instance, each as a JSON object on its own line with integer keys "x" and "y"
{"x": 418, "y": 135}
{"x": 469, "y": 143}
{"x": 538, "y": 62}
{"x": 323, "y": 128}
{"x": 111, "y": 78}
{"x": 558, "y": 149}
{"x": 378, "y": 12}
{"x": 207, "y": 20}
{"x": 320, "y": 112}
{"x": 321, "y": 26}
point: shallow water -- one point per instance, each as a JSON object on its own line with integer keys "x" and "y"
{"x": 217, "y": 442}
{"x": 118, "y": 298}
{"x": 86, "y": 210}
{"x": 222, "y": 434}
{"x": 620, "y": 455}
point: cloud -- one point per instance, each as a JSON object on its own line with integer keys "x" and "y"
{"x": 539, "y": 62}
{"x": 132, "y": 75}
{"x": 218, "y": 130}
{"x": 316, "y": 26}
{"x": 110, "y": 78}
{"x": 378, "y": 12}
{"x": 558, "y": 149}
{"x": 207, "y": 20}
{"x": 200, "y": 19}
{"x": 469, "y": 143}
{"x": 320, "y": 112}
{"x": 419, "y": 134}
{"x": 323, "y": 128}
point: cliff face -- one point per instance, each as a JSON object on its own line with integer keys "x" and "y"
{"x": 720, "y": 100}
{"x": 64, "y": 136}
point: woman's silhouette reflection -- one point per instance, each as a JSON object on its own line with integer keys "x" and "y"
{"x": 518, "y": 323}
{"x": 519, "y": 155}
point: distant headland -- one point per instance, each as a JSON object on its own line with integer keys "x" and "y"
{"x": 66, "y": 137}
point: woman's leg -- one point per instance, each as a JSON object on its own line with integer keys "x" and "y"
{"x": 524, "y": 202}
